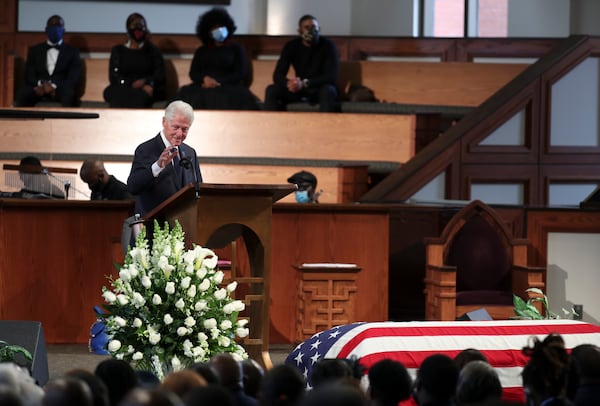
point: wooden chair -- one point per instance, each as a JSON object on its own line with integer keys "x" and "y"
{"x": 476, "y": 263}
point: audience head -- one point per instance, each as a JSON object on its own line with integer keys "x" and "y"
{"x": 209, "y": 395}
{"x": 307, "y": 186}
{"x": 468, "y": 355}
{"x": 215, "y": 26}
{"x": 330, "y": 369}
{"x": 147, "y": 379}
{"x": 584, "y": 368}
{"x": 436, "y": 380}
{"x": 206, "y": 371}
{"x": 30, "y": 164}
{"x": 18, "y": 379}
{"x": 228, "y": 369}
{"x": 478, "y": 382}
{"x": 177, "y": 121}
{"x": 118, "y": 376}
{"x": 389, "y": 382}
{"x": 545, "y": 374}
{"x": 252, "y": 376}
{"x": 340, "y": 393}
{"x": 94, "y": 174}
{"x": 282, "y": 385}
{"x": 308, "y": 28}
{"x": 136, "y": 27}
{"x": 150, "y": 397}
{"x": 55, "y": 29}
{"x": 9, "y": 396}
{"x": 181, "y": 382}
{"x": 67, "y": 391}
{"x": 96, "y": 385}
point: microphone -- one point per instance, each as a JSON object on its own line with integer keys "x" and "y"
{"x": 186, "y": 163}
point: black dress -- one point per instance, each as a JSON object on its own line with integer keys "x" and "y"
{"x": 228, "y": 65}
{"x": 128, "y": 65}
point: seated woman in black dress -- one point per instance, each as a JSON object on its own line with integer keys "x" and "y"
{"x": 136, "y": 70}
{"x": 218, "y": 68}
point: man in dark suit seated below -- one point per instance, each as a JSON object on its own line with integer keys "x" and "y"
{"x": 52, "y": 70}
{"x": 36, "y": 180}
{"x": 102, "y": 185}
{"x": 316, "y": 65}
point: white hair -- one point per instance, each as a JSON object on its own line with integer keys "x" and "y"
{"x": 179, "y": 107}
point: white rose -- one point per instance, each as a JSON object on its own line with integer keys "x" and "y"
{"x": 224, "y": 341}
{"x": 137, "y": 356}
{"x": 226, "y": 325}
{"x": 201, "y": 273}
{"x": 156, "y": 299}
{"x": 137, "y": 323}
{"x": 232, "y": 286}
{"x": 242, "y": 332}
{"x": 170, "y": 288}
{"x": 202, "y": 337}
{"x": 154, "y": 338}
{"x": 204, "y": 285}
{"x": 221, "y": 294}
{"x": 168, "y": 319}
{"x": 123, "y": 300}
{"x": 214, "y": 333}
{"x": 130, "y": 349}
{"x": 200, "y": 305}
{"x": 228, "y": 308}
{"x": 238, "y": 305}
{"x": 189, "y": 322}
{"x": 125, "y": 275}
{"x": 185, "y": 282}
{"x": 120, "y": 321}
{"x": 114, "y": 345}
{"x": 210, "y": 323}
{"x": 146, "y": 282}
{"x": 192, "y": 291}
{"x": 180, "y": 304}
{"x": 133, "y": 271}
{"x": 218, "y": 277}
{"x": 138, "y": 300}
{"x": 181, "y": 331}
{"x": 120, "y": 356}
{"x": 187, "y": 345}
{"x": 109, "y": 296}
{"x": 242, "y": 322}
{"x": 198, "y": 352}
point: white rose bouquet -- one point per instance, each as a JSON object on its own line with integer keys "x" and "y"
{"x": 169, "y": 308}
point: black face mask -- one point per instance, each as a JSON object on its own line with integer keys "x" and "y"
{"x": 138, "y": 34}
{"x": 311, "y": 36}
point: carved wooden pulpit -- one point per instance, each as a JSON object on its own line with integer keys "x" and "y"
{"x": 213, "y": 215}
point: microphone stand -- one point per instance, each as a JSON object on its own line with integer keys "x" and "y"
{"x": 187, "y": 164}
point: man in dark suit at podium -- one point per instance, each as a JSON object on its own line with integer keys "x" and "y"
{"x": 52, "y": 69}
{"x": 164, "y": 164}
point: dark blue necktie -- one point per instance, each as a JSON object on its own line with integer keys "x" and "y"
{"x": 178, "y": 169}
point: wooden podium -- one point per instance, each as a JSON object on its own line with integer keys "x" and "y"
{"x": 213, "y": 215}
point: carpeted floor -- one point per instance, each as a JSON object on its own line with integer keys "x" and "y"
{"x": 64, "y": 357}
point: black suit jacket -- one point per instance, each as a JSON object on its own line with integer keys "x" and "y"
{"x": 66, "y": 73}
{"x": 149, "y": 191}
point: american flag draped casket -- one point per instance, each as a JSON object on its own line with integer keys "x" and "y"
{"x": 410, "y": 343}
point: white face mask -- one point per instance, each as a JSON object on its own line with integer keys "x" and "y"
{"x": 219, "y": 34}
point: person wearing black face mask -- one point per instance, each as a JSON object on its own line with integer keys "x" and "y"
{"x": 102, "y": 185}
{"x": 219, "y": 67}
{"x": 52, "y": 70}
{"x": 136, "y": 69}
{"x": 316, "y": 65}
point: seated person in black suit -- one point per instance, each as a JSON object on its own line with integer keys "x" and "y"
{"x": 36, "y": 180}
{"x": 136, "y": 69}
{"x": 218, "y": 68}
{"x": 102, "y": 185}
{"x": 316, "y": 65}
{"x": 52, "y": 69}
